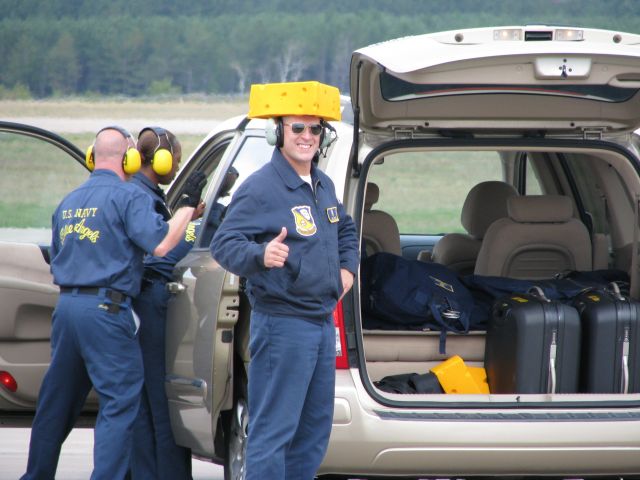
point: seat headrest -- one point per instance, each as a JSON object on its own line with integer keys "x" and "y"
{"x": 540, "y": 209}
{"x": 486, "y": 202}
{"x": 371, "y": 196}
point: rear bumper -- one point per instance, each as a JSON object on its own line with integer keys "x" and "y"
{"x": 368, "y": 438}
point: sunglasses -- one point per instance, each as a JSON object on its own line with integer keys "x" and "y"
{"x": 299, "y": 127}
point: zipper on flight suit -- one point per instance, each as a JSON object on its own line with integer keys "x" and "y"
{"x": 318, "y": 216}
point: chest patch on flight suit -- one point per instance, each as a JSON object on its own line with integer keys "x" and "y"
{"x": 305, "y": 224}
{"x": 332, "y": 215}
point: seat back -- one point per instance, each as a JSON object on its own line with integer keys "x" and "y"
{"x": 538, "y": 239}
{"x": 485, "y": 203}
{"x": 379, "y": 230}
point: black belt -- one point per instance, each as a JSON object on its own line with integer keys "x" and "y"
{"x": 113, "y": 295}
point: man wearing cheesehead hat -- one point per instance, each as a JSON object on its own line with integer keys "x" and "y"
{"x": 289, "y": 235}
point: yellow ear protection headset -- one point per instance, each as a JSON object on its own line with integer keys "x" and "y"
{"x": 131, "y": 160}
{"x": 274, "y": 133}
{"x": 162, "y": 160}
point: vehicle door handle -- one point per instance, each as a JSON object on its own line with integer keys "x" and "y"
{"x": 175, "y": 287}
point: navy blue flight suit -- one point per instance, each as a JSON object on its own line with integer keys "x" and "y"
{"x": 100, "y": 231}
{"x": 155, "y": 454}
{"x": 292, "y": 339}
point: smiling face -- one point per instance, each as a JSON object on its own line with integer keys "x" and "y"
{"x": 300, "y": 148}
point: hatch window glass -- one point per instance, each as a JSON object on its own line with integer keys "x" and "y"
{"x": 394, "y": 89}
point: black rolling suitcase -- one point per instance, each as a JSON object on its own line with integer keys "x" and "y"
{"x": 533, "y": 345}
{"x": 610, "y": 341}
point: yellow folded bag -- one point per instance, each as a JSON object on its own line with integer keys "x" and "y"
{"x": 456, "y": 377}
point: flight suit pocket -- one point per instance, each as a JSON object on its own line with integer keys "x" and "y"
{"x": 311, "y": 278}
{"x": 123, "y": 320}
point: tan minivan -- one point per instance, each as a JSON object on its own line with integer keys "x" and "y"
{"x": 442, "y": 125}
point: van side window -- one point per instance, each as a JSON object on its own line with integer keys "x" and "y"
{"x": 590, "y": 192}
{"x": 250, "y": 156}
{"x": 425, "y": 191}
{"x": 532, "y": 184}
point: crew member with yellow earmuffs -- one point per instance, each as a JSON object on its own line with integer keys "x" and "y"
{"x": 286, "y": 231}
{"x": 131, "y": 160}
{"x": 100, "y": 232}
{"x": 155, "y": 455}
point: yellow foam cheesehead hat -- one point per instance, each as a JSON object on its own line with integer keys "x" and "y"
{"x": 294, "y": 98}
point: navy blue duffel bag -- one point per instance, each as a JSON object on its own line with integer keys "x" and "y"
{"x": 410, "y": 294}
{"x": 564, "y": 287}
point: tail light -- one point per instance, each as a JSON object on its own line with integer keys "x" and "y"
{"x": 8, "y": 382}
{"x": 342, "y": 360}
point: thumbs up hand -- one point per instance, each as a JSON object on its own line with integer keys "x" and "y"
{"x": 276, "y": 252}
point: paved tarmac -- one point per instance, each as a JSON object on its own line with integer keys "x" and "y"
{"x": 76, "y": 458}
{"x": 80, "y": 125}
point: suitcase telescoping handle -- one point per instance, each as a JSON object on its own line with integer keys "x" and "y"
{"x": 625, "y": 361}
{"x": 553, "y": 348}
{"x": 552, "y": 362}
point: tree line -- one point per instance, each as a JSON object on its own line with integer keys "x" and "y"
{"x": 144, "y": 47}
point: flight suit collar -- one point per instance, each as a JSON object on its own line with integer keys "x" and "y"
{"x": 144, "y": 180}
{"x": 288, "y": 174}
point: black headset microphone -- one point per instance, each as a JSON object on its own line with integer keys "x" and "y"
{"x": 329, "y": 135}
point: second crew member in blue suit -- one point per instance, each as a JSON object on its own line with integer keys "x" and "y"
{"x": 155, "y": 454}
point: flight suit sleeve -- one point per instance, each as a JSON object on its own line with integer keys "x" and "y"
{"x": 347, "y": 241}
{"x": 143, "y": 225}
{"x": 55, "y": 236}
{"x": 235, "y": 245}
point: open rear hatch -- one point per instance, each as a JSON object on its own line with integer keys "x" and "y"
{"x": 515, "y": 78}
{"x": 475, "y": 81}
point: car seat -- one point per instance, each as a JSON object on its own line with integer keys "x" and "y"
{"x": 538, "y": 239}
{"x": 379, "y": 229}
{"x": 486, "y": 202}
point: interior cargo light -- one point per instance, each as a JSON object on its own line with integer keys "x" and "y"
{"x": 8, "y": 382}
{"x": 513, "y": 34}
{"x": 569, "y": 35}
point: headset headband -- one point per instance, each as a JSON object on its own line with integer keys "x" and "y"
{"x": 160, "y": 132}
{"x": 124, "y": 132}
